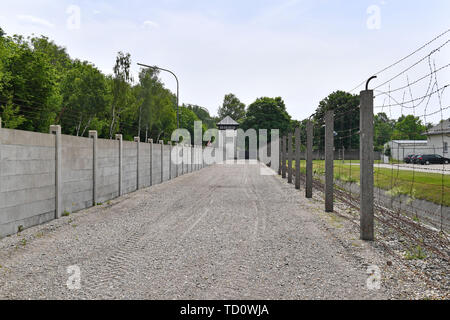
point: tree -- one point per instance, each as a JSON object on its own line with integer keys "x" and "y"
{"x": 187, "y": 119}
{"x": 203, "y": 115}
{"x": 409, "y": 128}
{"x": 84, "y": 94}
{"x": 28, "y": 80}
{"x": 267, "y": 113}
{"x": 232, "y": 107}
{"x": 346, "y": 120}
{"x": 384, "y": 128}
{"x": 120, "y": 87}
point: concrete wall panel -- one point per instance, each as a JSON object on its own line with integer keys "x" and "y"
{"x": 107, "y": 169}
{"x": 27, "y": 179}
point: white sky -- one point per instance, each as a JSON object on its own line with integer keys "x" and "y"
{"x": 301, "y": 50}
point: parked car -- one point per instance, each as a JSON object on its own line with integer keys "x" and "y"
{"x": 432, "y": 159}
{"x": 407, "y": 159}
{"x": 414, "y": 158}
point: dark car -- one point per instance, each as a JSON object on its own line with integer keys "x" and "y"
{"x": 432, "y": 159}
{"x": 414, "y": 158}
{"x": 407, "y": 159}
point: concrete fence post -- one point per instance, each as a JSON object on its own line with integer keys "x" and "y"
{"x": 120, "y": 138}
{"x": 178, "y": 155}
{"x": 151, "y": 161}
{"x": 280, "y": 155}
{"x": 309, "y": 159}
{"x": 297, "y": 158}
{"x": 94, "y": 135}
{"x": 366, "y": 165}
{"x": 169, "y": 143}
{"x": 161, "y": 143}
{"x": 0, "y": 122}
{"x": 290, "y": 157}
{"x": 137, "y": 140}
{"x": 182, "y": 158}
{"x": 56, "y": 130}
{"x": 192, "y": 158}
{"x": 329, "y": 161}
{"x": 283, "y": 157}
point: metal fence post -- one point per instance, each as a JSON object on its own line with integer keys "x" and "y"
{"x": 329, "y": 160}
{"x": 297, "y": 158}
{"x": 366, "y": 166}
{"x": 120, "y": 138}
{"x": 290, "y": 157}
{"x": 309, "y": 158}
{"x": 94, "y": 135}
{"x": 56, "y": 130}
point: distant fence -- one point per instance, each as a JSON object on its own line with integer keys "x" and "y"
{"x": 44, "y": 175}
{"x": 342, "y": 154}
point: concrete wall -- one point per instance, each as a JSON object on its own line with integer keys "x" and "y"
{"x": 28, "y": 169}
{"x": 166, "y": 160}
{"x": 129, "y": 166}
{"x": 107, "y": 170}
{"x": 77, "y": 175}
{"x": 156, "y": 162}
{"x": 144, "y": 165}
{"x": 27, "y": 179}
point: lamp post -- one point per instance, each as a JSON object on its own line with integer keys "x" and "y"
{"x": 178, "y": 87}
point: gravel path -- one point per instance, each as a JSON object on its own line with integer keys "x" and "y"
{"x": 225, "y": 232}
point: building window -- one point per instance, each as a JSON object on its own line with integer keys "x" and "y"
{"x": 445, "y": 147}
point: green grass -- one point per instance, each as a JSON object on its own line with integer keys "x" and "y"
{"x": 418, "y": 185}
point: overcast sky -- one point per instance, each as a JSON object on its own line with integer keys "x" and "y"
{"x": 301, "y": 50}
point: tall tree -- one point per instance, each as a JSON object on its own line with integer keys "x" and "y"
{"x": 203, "y": 115}
{"x": 346, "y": 120}
{"x": 120, "y": 86}
{"x": 232, "y": 107}
{"x": 384, "y": 128}
{"x": 409, "y": 128}
{"x": 267, "y": 113}
{"x": 84, "y": 94}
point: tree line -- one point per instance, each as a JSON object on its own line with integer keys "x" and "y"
{"x": 40, "y": 85}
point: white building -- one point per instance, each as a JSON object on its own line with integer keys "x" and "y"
{"x": 439, "y": 139}
{"x": 402, "y": 148}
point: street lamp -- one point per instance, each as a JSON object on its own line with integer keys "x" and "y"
{"x": 178, "y": 87}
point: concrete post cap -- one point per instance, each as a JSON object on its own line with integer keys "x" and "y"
{"x": 55, "y": 128}
{"x": 161, "y": 141}
{"x": 118, "y": 137}
{"x": 150, "y": 140}
{"x": 93, "y": 134}
{"x": 137, "y": 139}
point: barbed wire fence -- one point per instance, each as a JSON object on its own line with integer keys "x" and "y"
{"x": 392, "y": 198}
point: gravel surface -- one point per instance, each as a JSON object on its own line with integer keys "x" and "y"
{"x": 225, "y": 232}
